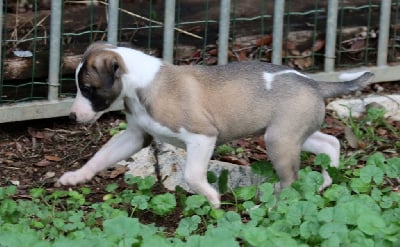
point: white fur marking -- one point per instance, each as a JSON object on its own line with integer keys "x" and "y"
{"x": 142, "y": 68}
{"x": 350, "y": 76}
{"x": 120, "y": 147}
{"x": 319, "y": 143}
{"x": 78, "y": 68}
{"x": 199, "y": 150}
{"x": 269, "y": 77}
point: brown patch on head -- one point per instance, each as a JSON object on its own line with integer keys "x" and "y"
{"x": 100, "y": 74}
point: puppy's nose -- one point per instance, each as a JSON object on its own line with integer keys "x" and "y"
{"x": 72, "y": 116}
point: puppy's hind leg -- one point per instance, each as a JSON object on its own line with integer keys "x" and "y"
{"x": 284, "y": 154}
{"x": 319, "y": 143}
{"x": 199, "y": 150}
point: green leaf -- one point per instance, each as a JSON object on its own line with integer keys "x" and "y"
{"x": 392, "y": 167}
{"x": 195, "y": 201}
{"x": 196, "y": 204}
{"x": 188, "y": 225}
{"x": 309, "y": 229}
{"x": 359, "y": 186}
{"x": 224, "y": 149}
{"x": 322, "y": 160}
{"x": 335, "y": 192}
{"x": 223, "y": 181}
{"x": 263, "y": 168}
{"x": 267, "y": 194}
{"x": 333, "y": 241}
{"x": 140, "y": 201}
{"x": 146, "y": 183}
{"x": 386, "y": 202}
{"x": 211, "y": 177}
{"x": 372, "y": 173}
{"x": 152, "y": 241}
{"x": 121, "y": 227}
{"x": 114, "y": 131}
{"x": 331, "y": 229}
{"x": 371, "y": 224}
{"x": 299, "y": 211}
{"x": 358, "y": 238}
{"x": 245, "y": 193}
{"x": 326, "y": 215}
{"x": 310, "y": 181}
{"x": 111, "y": 187}
{"x": 163, "y": 204}
{"x": 37, "y": 192}
{"x": 216, "y": 213}
{"x": 376, "y": 159}
{"x": 122, "y": 125}
{"x": 255, "y": 236}
{"x": 257, "y": 214}
{"x": 75, "y": 198}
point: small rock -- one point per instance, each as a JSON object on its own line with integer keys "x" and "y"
{"x": 171, "y": 162}
{"x": 358, "y": 106}
{"x": 15, "y": 182}
{"x": 49, "y": 175}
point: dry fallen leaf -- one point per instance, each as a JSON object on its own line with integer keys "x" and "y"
{"x": 119, "y": 170}
{"x": 351, "y": 137}
{"x": 42, "y": 163}
{"x": 318, "y": 45}
{"x": 49, "y": 175}
{"x": 266, "y": 40}
{"x": 10, "y": 154}
{"x": 20, "y": 148}
{"x": 36, "y": 134}
{"x": 52, "y": 158}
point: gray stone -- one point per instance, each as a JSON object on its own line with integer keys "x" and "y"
{"x": 171, "y": 161}
{"x": 391, "y": 103}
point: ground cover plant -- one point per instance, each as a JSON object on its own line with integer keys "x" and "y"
{"x": 361, "y": 208}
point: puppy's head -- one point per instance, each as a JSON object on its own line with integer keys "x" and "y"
{"x": 98, "y": 80}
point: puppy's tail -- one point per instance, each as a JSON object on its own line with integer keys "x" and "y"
{"x": 333, "y": 89}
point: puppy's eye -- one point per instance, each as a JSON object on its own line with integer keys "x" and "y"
{"x": 86, "y": 91}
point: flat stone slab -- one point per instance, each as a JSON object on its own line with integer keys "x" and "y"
{"x": 171, "y": 162}
{"x": 391, "y": 103}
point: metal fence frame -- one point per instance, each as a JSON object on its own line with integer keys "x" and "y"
{"x": 55, "y": 107}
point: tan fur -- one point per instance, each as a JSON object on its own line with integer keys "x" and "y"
{"x": 207, "y": 103}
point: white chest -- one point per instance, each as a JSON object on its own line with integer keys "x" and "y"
{"x": 141, "y": 117}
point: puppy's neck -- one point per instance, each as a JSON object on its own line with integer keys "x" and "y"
{"x": 141, "y": 68}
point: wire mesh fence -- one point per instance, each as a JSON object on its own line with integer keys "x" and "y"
{"x": 26, "y": 24}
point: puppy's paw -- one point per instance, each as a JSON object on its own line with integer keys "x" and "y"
{"x": 75, "y": 177}
{"x": 215, "y": 201}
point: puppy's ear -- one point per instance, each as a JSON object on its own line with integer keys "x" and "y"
{"x": 113, "y": 70}
{"x": 116, "y": 68}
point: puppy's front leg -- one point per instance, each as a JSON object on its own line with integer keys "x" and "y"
{"x": 199, "y": 150}
{"x": 118, "y": 148}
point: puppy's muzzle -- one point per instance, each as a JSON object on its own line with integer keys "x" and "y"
{"x": 72, "y": 116}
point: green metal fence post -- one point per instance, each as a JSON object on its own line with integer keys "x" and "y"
{"x": 384, "y": 26}
{"x": 112, "y": 26}
{"x": 277, "y": 35}
{"x": 55, "y": 41}
{"x": 169, "y": 25}
{"x": 223, "y": 39}
{"x": 1, "y": 30}
{"x": 330, "y": 46}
